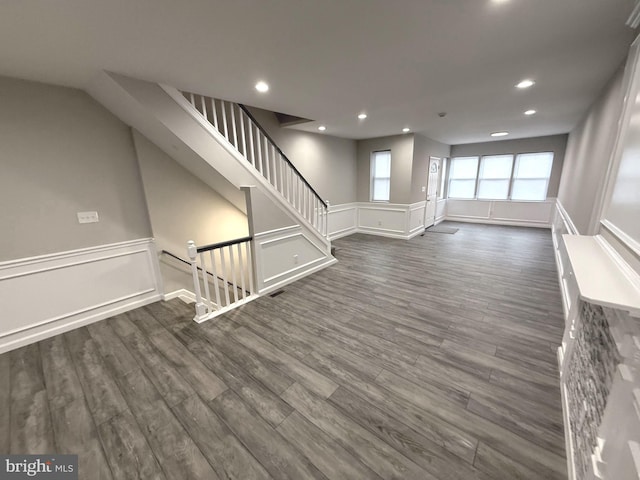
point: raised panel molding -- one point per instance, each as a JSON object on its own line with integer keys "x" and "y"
{"x": 392, "y": 220}
{"x": 285, "y": 255}
{"x": 500, "y": 212}
{"x": 74, "y": 288}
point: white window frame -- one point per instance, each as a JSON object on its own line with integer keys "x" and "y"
{"x": 449, "y": 179}
{"x": 442, "y": 185}
{"x": 509, "y": 179}
{"x": 546, "y": 179}
{"x": 374, "y": 178}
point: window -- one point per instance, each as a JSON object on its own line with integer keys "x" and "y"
{"x": 531, "y": 176}
{"x": 443, "y": 178}
{"x": 494, "y": 177}
{"x": 462, "y": 177}
{"x": 380, "y": 176}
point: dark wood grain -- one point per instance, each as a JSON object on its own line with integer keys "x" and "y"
{"x": 277, "y": 456}
{"x": 31, "y": 429}
{"x": 101, "y": 391}
{"x": 177, "y": 453}
{"x": 327, "y": 455}
{"x": 220, "y": 446}
{"x": 373, "y": 452}
{"x": 127, "y": 449}
{"x": 76, "y": 434}
{"x": 432, "y": 358}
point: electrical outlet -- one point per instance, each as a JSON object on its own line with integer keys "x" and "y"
{"x": 88, "y": 217}
{"x": 424, "y": 189}
{"x": 379, "y": 223}
{"x": 295, "y": 259}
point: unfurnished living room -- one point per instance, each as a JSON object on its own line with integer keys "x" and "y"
{"x": 337, "y": 239}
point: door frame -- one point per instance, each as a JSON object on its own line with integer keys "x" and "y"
{"x": 438, "y": 163}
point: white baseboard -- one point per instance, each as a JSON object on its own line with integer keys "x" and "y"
{"x": 74, "y": 288}
{"x": 183, "y": 294}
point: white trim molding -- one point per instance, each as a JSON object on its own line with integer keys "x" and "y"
{"x": 393, "y": 220}
{"x": 75, "y": 288}
{"x": 502, "y": 212}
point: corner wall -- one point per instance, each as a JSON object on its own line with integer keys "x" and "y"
{"x": 588, "y": 152}
{"x": 328, "y": 163}
{"x": 63, "y": 153}
{"x": 182, "y": 208}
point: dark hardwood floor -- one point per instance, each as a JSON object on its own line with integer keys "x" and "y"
{"x": 432, "y": 358}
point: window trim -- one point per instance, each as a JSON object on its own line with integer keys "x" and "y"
{"x": 475, "y": 189}
{"x": 547, "y": 179}
{"x": 372, "y": 177}
{"x": 511, "y": 179}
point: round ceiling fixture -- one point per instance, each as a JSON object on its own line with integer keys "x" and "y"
{"x": 262, "y": 87}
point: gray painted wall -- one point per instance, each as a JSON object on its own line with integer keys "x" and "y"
{"x": 328, "y": 163}
{"x": 553, "y": 143}
{"x": 182, "y": 207}
{"x": 589, "y": 151}
{"x": 61, "y": 153}
{"x": 423, "y": 149}
{"x": 401, "y": 147}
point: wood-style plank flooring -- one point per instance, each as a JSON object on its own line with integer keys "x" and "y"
{"x": 432, "y": 358}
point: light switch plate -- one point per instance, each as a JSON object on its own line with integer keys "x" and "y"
{"x": 424, "y": 189}
{"x": 88, "y": 217}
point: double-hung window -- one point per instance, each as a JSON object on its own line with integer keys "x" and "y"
{"x": 462, "y": 177}
{"x": 531, "y": 176}
{"x": 494, "y": 177}
{"x": 380, "y": 176}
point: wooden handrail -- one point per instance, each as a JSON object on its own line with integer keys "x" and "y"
{"x": 228, "y": 243}
{"x": 264, "y": 132}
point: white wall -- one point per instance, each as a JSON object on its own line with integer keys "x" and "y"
{"x": 63, "y": 153}
{"x": 588, "y": 153}
{"x": 328, "y": 163}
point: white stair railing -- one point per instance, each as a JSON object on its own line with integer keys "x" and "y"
{"x": 223, "y": 276}
{"x": 240, "y": 128}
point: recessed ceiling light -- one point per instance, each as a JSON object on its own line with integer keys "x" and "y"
{"x": 530, "y": 112}
{"x": 499, "y": 134}
{"x": 406, "y": 129}
{"x": 362, "y": 116}
{"x": 322, "y": 128}
{"x": 526, "y": 84}
{"x": 262, "y": 87}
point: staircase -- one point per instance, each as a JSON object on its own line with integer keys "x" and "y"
{"x": 243, "y": 133}
{"x": 221, "y": 143}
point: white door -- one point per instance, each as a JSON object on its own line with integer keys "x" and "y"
{"x": 432, "y": 192}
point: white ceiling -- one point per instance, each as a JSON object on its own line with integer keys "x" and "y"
{"x": 401, "y": 61}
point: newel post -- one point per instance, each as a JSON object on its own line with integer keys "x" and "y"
{"x": 201, "y": 308}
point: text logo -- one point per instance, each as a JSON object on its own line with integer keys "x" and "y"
{"x": 50, "y": 467}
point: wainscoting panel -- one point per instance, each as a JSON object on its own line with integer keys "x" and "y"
{"x": 441, "y": 210}
{"x": 343, "y": 220}
{"x": 416, "y": 217}
{"x": 383, "y": 219}
{"x": 528, "y": 214}
{"x": 44, "y": 296}
{"x": 285, "y": 255}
